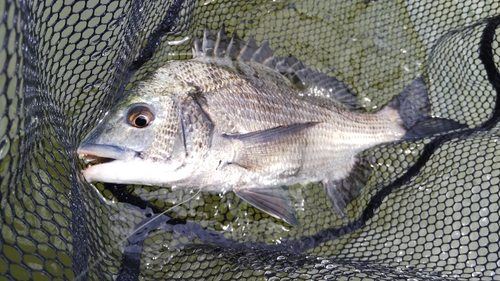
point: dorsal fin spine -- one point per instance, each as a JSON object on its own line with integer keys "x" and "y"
{"x": 313, "y": 82}
{"x": 220, "y": 34}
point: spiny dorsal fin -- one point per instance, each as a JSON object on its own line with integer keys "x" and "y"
{"x": 312, "y": 83}
{"x": 218, "y": 45}
{"x": 233, "y": 48}
{"x": 221, "y": 42}
{"x": 208, "y": 42}
{"x": 266, "y": 56}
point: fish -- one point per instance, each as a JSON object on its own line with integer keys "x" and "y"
{"x": 238, "y": 118}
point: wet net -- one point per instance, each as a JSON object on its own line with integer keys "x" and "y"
{"x": 430, "y": 208}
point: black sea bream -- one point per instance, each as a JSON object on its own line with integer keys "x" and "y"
{"x": 237, "y": 118}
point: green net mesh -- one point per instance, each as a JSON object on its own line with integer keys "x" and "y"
{"x": 430, "y": 209}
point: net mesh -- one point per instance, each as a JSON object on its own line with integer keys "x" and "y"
{"x": 430, "y": 209}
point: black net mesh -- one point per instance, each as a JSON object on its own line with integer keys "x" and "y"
{"x": 430, "y": 209}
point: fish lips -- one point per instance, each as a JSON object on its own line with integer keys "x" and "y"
{"x": 119, "y": 165}
{"x": 105, "y": 157}
{"x": 102, "y": 153}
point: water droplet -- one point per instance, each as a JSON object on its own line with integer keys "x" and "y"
{"x": 95, "y": 41}
{"x": 319, "y": 266}
{"x": 330, "y": 266}
{"x": 477, "y": 274}
{"x": 4, "y": 147}
{"x": 97, "y": 83}
{"x": 178, "y": 42}
{"x": 95, "y": 56}
{"x": 106, "y": 51}
{"x": 281, "y": 258}
{"x": 112, "y": 25}
{"x": 484, "y": 222}
{"x": 484, "y": 212}
{"x": 87, "y": 88}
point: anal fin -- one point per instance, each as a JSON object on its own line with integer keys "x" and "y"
{"x": 273, "y": 201}
{"x": 342, "y": 192}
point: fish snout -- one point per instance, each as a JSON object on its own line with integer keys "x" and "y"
{"x": 102, "y": 153}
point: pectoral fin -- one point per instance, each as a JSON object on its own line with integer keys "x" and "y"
{"x": 271, "y": 135}
{"x": 277, "y": 150}
{"x": 273, "y": 201}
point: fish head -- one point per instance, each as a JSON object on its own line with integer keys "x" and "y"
{"x": 140, "y": 140}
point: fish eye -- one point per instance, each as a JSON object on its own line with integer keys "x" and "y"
{"x": 140, "y": 116}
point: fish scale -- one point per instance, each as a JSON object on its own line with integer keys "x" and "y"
{"x": 237, "y": 118}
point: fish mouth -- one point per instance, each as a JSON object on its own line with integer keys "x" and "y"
{"x": 118, "y": 165}
{"x": 101, "y": 153}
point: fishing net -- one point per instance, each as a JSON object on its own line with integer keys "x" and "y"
{"x": 430, "y": 208}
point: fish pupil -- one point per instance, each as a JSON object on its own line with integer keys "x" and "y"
{"x": 141, "y": 121}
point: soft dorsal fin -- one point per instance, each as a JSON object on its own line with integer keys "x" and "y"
{"x": 310, "y": 82}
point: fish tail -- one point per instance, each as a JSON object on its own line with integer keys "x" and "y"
{"x": 414, "y": 109}
{"x": 410, "y": 112}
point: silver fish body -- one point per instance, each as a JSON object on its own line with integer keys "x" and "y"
{"x": 223, "y": 122}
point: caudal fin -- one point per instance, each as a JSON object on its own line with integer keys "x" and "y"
{"x": 414, "y": 108}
